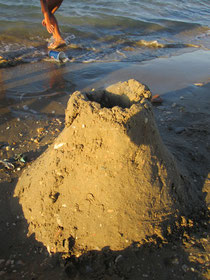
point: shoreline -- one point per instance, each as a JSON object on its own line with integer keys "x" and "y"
{"x": 183, "y": 69}
{"x": 47, "y": 78}
{"x": 29, "y": 125}
{"x": 43, "y": 88}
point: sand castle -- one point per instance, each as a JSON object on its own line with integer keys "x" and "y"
{"x": 108, "y": 179}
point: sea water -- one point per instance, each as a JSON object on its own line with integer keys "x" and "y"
{"x": 104, "y": 30}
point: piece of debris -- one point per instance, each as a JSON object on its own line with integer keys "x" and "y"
{"x": 7, "y": 164}
{"x": 157, "y": 99}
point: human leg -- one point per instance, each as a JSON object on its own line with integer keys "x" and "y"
{"x": 53, "y": 5}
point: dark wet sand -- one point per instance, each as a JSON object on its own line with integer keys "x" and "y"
{"x": 33, "y": 98}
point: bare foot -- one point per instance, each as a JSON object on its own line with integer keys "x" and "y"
{"x": 57, "y": 44}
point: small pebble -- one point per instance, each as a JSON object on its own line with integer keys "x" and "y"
{"x": 25, "y": 107}
{"x": 58, "y": 121}
{"x": 175, "y": 261}
{"x": 8, "y": 262}
{"x": 156, "y": 99}
{"x": 184, "y": 267}
{"x": 179, "y": 130}
{"x": 162, "y": 108}
{"x": 118, "y": 258}
{"x": 40, "y": 130}
{"x": 20, "y": 262}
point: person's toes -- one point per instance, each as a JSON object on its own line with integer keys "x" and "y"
{"x": 57, "y": 44}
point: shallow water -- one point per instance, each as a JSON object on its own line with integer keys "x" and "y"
{"x": 99, "y": 30}
{"x": 107, "y": 41}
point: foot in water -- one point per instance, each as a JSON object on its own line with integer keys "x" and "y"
{"x": 57, "y": 44}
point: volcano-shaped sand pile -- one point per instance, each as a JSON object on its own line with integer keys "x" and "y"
{"x": 107, "y": 180}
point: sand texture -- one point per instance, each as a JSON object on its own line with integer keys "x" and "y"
{"x": 108, "y": 179}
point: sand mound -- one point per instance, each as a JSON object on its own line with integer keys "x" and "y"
{"x": 107, "y": 180}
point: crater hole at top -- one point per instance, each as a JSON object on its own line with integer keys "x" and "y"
{"x": 109, "y": 100}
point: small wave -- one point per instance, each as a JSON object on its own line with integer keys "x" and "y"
{"x": 155, "y": 44}
{"x": 149, "y": 44}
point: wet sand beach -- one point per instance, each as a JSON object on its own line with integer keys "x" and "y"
{"x": 33, "y": 99}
